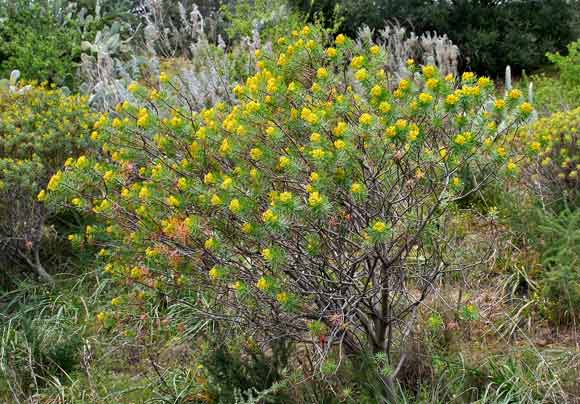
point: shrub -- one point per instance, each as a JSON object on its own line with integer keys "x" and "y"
{"x": 39, "y": 127}
{"x": 553, "y": 169}
{"x": 562, "y": 92}
{"x": 40, "y": 42}
{"x": 240, "y": 371}
{"x": 555, "y": 238}
{"x": 560, "y": 246}
{"x": 310, "y": 208}
{"x": 491, "y": 34}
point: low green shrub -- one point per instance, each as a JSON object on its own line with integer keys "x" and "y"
{"x": 560, "y": 93}
{"x": 238, "y": 370}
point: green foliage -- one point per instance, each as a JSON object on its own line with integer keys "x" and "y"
{"x": 36, "y": 347}
{"x": 559, "y": 241}
{"x": 555, "y": 235}
{"x": 490, "y": 34}
{"x": 239, "y": 370}
{"x": 271, "y": 18}
{"x": 562, "y": 92}
{"x": 34, "y": 41}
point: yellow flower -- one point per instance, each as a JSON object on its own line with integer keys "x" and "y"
{"x": 340, "y": 39}
{"x": 535, "y": 146}
{"x": 526, "y": 108}
{"x": 172, "y": 201}
{"x": 214, "y": 273}
{"x": 269, "y": 216}
{"x": 468, "y": 76}
{"x": 282, "y": 297}
{"x": 210, "y": 243}
{"x": 283, "y": 162}
{"x": 314, "y": 176}
{"x": 379, "y": 227}
{"x": 511, "y": 166}
{"x": 256, "y": 153}
{"x": 515, "y": 94}
{"x": 285, "y": 197}
{"x": 357, "y": 62}
{"x": 209, "y": 178}
{"x": 262, "y": 284}
{"x": 339, "y": 144}
{"x": 216, "y": 200}
{"x": 425, "y": 98}
{"x": 315, "y": 199}
{"x": 404, "y": 85}
{"x": 225, "y": 147}
{"x": 270, "y": 131}
{"x": 282, "y": 59}
{"x": 82, "y": 162}
{"x": 376, "y": 91}
{"x": 54, "y": 181}
{"x": 401, "y": 124}
{"x": 315, "y": 137}
{"x": 484, "y": 82}
{"x": 365, "y": 119}
{"x": 410, "y": 62}
{"x": 429, "y": 71}
{"x": 413, "y": 134}
{"x": 340, "y": 128}
{"x": 456, "y": 181}
{"x": 133, "y": 87}
{"x": 432, "y": 83}
{"x": 163, "y": 77}
{"x": 41, "y": 196}
{"x": 499, "y": 104}
{"x": 102, "y": 316}
{"x": 385, "y": 107}
{"x": 375, "y": 49}
{"x": 361, "y": 74}
{"x": 318, "y": 154}
{"x": 331, "y": 52}
{"x": 108, "y": 176}
{"x": 501, "y": 151}
{"x": 460, "y": 139}
{"x": 267, "y": 254}
{"x": 451, "y": 100}
{"x": 357, "y": 188}
{"x": 443, "y": 152}
{"x": 144, "y": 193}
{"x": 235, "y": 205}
{"x": 247, "y": 228}
{"x": 227, "y": 183}
{"x": 321, "y": 73}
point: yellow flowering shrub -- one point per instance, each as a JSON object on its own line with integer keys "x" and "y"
{"x": 316, "y": 196}
{"x": 553, "y": 147}
{"x": 40, "y": 127}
